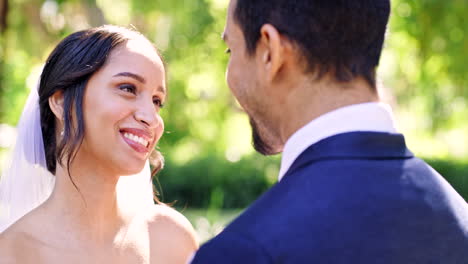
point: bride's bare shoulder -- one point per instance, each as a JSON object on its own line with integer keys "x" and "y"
{"x": 169, "y": 229}
{"x": 17, "y": 243}
{"x": 10, "y": 245}
{"x": 6, "y": 248}
{"x": 164, "y": 217}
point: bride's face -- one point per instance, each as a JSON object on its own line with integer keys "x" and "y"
{"x": 121, "y": 108}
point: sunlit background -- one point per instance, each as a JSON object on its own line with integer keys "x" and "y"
{"x": 212, "y": 172}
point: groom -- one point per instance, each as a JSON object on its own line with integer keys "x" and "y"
{"x": 349, "y": 190}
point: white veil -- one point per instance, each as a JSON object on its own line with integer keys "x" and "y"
{"x": 26, "y": 183}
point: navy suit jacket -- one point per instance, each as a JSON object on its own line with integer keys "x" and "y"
{"x": 359, "y": 197}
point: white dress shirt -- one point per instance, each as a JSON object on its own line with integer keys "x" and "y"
{"x": 371, "y": 117}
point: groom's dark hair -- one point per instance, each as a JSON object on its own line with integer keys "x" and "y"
{"x": 340, "y": 37}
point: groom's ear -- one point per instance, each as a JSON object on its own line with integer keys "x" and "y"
{"x": 274, "y": 50}
{"x": 56, "y": 104}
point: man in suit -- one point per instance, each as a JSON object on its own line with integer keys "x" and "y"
{"x": 349, "y": 190}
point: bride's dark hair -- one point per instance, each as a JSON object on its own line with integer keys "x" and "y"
{"x": 67, "y": 70}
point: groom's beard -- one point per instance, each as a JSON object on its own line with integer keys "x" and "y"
{"x": 260, "y": 143}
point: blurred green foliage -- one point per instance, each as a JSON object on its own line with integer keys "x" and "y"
{"x": 209, "y": 225}
{"x": 213, "y": 182}
{"x": 424, "y": 63}
{"x": 455, "y": 172}
{"x": 210, "y": 162}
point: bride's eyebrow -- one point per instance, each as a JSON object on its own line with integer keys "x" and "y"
{"x": 131, "y": 75}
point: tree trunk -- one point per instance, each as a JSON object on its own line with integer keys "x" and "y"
{"x": 95, "y": 14}
{"x": 3, "y": 15}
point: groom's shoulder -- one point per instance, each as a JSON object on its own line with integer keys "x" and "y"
{"x": 357, "y": 185}
{"x": 319, "y": 207}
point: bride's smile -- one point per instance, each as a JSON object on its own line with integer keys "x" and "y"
{"x": 132, "y": 135}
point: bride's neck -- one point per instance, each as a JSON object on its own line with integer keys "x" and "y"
{"x": 87, "y": 200}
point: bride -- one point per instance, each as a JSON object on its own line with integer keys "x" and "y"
{"x": 85, "y": 137}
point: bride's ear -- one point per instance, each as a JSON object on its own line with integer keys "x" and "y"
{"x": 56, "y": 104}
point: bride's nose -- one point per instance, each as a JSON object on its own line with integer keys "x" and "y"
{"x": 146, "y": 114}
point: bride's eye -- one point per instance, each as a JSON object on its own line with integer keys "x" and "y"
{"x": 157, "y": 102}
{"x": 129, "y": 88}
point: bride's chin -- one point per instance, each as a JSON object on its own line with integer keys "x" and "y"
{"x": 130, "y": 170}
{"x": 130, "y": 173}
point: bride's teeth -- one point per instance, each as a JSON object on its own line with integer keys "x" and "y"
{"x": 136, "y": 139}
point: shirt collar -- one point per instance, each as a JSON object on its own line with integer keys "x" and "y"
{"x": 371, "y": 117}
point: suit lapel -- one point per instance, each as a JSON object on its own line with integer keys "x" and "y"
{"x": 354, "y": 145}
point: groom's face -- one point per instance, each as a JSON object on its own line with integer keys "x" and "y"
{"x": 245, "y": 82}
{"x": 241, "y": 70}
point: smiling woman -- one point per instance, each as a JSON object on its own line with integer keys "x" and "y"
{"x": 98, "y": 101}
